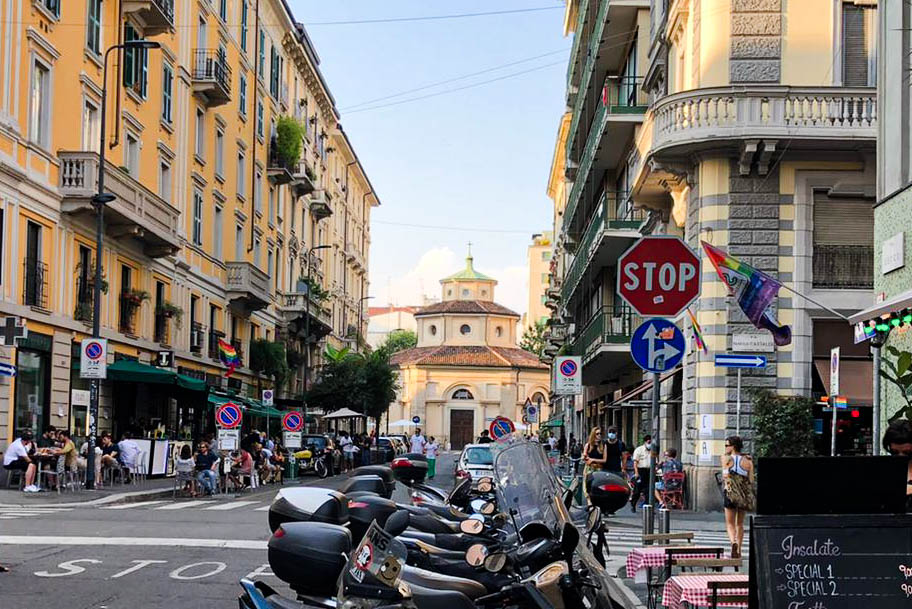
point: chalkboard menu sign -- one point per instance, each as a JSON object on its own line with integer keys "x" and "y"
{"x": 831, "y": 562}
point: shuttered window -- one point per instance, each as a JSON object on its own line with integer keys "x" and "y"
{"x": 858, "y": 45}
{"x": 843, "y": 243}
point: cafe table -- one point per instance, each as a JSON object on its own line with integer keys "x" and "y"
{"x": 692, "y": 590}
{"x": 640, "y": 560}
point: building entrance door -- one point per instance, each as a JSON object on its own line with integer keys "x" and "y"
{"x": 462, "y": 428}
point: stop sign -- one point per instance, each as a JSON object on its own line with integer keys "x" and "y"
{"x": 659, "y": 276}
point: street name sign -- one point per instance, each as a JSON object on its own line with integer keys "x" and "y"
{"x": 735, "y": 360}
{"x": 93, "y": 361}
{"x": 568, "y": 375}
{"x": 7, "y": 370}
{"x": 755, "y": 342}
{"x": 659, "y": 276}
{"x": 657, "y": 345}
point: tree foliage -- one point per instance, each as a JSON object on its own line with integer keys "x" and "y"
{"x": 268, "y": 358}
{"x": 533, "y": 339}
{"x": 783, "y": 425}
{"x": 897, "y": 369}
{"x": 398, "y": 340}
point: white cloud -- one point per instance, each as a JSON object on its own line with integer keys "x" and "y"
{"x": 423, "y": 280}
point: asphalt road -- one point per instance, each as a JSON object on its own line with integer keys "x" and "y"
{"x": 183, "y": 554}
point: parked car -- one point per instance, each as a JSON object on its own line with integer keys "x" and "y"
{"x": 476, "y": 461}
{"x": 401, "y": 447}
{"x": 387, "y": 448}
{"x": 406, "y": 442}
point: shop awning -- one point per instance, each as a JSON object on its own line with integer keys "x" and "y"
{"x": 856, "y": 379}
{"x": 263, "y": 411}
{"x": 640, "y": 390}
{"x": 128, "y": 370}
{"x": 553, "y": 423}
{"x": 343, "y": 413}
{"x": 190, "y": 383}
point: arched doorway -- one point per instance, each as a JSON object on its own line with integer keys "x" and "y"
{"x": 462, "y": 420}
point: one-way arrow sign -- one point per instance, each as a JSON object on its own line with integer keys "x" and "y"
{"x": 731, "y": 360}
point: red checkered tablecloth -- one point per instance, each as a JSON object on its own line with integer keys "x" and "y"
{"x": 694, "y": 590}
{"x": 650, "y": 557}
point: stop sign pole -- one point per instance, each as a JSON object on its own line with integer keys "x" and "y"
{"x": 658, "y": 276}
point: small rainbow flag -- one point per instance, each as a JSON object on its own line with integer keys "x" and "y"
{"x": 698, "y": 332}
{"x": 228, "y": 356}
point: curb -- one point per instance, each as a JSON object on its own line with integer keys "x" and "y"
{"x": 624, "y": 595}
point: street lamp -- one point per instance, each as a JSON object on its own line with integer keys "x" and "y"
{"x": 360, "y": 304}
{"x": 101, "y": 199}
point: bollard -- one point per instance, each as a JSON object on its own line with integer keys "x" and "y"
{"x": 648, "y": 521}
{"x": 664, "y": 521}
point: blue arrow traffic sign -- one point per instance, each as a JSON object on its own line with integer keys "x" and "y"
{"x": 657, "y": 345}
{"x": 7, "y": 370}
{"x": 732, "y": 360}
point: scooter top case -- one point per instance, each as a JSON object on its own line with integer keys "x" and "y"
{"x": 410, "y": 468}
{"x": 371, "y": 484}
{"x": 383, "y": 471}
{"x": 608, "y": 491}
{"x": 308, "y": 504}
{"x": 309, "y": 556}
{"x": 366, "y": 508}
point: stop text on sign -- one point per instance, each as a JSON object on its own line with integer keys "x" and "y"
{"x": 659, "y": 276}
{"x": 670, "y": 276}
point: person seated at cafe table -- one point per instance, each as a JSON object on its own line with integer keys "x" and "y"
{"x": 206, "y": 468}
{"x": 17, "y": 457}
{"x": 109, "y": 452}
{"x": 129, "y": 452}
{"x": 48, "y": 439}
{"x": 241, "y": 467}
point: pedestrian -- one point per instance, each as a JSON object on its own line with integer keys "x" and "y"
{"x": 562, "y": 443}
{"x": 431, "y": 449}
{"x": 418, "y": 442}
{"x": 129, "y": 451}
{"x": 643, "y": 462}
{"x": 615, "y": 452}
{"x": 206, "y": 463}
{"x": 669, "y": 465}
{"x": 738, "y": 491}
{"x": 184, "y": 466}
{"x": 593, "y": 457}
{"x": 576, "y": 454}
{"x": 17, "y": 457}
{"x": 345, "y": 442}
{"x": 484, "y": 438}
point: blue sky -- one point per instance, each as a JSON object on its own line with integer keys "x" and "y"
{"x": 476, "y": 158}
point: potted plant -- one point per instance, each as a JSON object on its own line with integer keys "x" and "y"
{"x": 134, "y": 297}
{"x": 89, "y": 275}
{"x": 289, "y": 141}
{"x": 84, "y": 312}
{"x": 312, "y": 286}
{"x": 171, "y": 311}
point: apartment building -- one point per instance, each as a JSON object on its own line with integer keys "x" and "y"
{"x": 748, "y": 124}
{"x": 240, "y": 209}
{"x": 538, "y": 259}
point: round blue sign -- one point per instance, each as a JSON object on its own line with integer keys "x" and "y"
{"x": 228, "y": 415}
{"x": 657, "y": 345}
{"x": 501, "y": 427}
{"x": 416, "y": 419}
{"x": 568, "y": 367}
{"x": 93, "y": 350}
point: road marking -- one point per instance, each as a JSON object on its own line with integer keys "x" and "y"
{"x": 177, "y": 542}
{"x": 70, "y": 567}
{"x": 230, "y": 506}
{"x": 130, "y": 506}
{"x": 265, "y": 508}
{"x": 176, "y": 574}
{"x": 186, "y": 504}
{"x": 137, "y": 565}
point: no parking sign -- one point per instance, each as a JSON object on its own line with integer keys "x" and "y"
{"x": 228, "y": 416}
{"x": 501, "y": 428}
{"x": 293, "y": 421}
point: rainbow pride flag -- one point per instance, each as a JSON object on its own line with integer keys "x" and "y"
{"x": 698, "y": 332}
{"x": 755, "y": 291}
{"x": 228, "y": 356}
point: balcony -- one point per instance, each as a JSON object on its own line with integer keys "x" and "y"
{"x": 135, "y": 212}
{"x": 85, "y": 300}
{"x": 247, "y": 287}
{"x": 843, "y": 267}
{"x": 214, "y": 336}
{"x": 154, "y": 16}
{"x": 197, "y": 337}
{"x": 211, "y": 77}
{"x": 296, "y": 306}
{"x": 129, "y": 306}
{"x": 622, "y": 108}
{"x": 35, "y": 284}
{"x": 162, "y": 334}
{"x": 320, "y": 205}
{"x": 612, "y": 229}
{"x": 604, "y": 342}
{"x": 278, "y": 170}
{"x": 573, "y": 68}
{"x": 305, "y": 181}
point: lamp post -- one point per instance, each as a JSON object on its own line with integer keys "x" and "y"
{"x": 360, "y": 305}
{"x": 101, "y": 199}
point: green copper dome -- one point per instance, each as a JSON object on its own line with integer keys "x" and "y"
{"x": 468, "y": 273}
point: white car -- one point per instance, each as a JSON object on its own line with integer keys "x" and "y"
{"x": 476, "y": 461}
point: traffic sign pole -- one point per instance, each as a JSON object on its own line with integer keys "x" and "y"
{"x": 656, "y": 433}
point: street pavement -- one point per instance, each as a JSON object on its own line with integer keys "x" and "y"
{"x": 151, "y": 554}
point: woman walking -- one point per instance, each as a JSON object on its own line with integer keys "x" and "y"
{"x": 430, "y": 450}
{"x": 593, "y": 456}
{"x": 738, "y": 491}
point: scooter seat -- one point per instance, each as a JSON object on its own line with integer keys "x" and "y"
{"x": 439, "y": 552}
{"x": 439, "y": 582}
{"x": 432, "y": 524}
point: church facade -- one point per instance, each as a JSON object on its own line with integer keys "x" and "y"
{"x": 466, "y": 368}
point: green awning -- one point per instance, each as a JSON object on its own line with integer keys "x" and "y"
{"x": 553, "y": 423}
{"x": 132, "y": 371}
{"x": 188, "y": 382}
{"x": 250, "y": 406}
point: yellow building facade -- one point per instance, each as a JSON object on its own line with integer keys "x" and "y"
{"x": 214, "y": 221}
{"x": 466, "y": 369}
{"x": 538, "y": 259}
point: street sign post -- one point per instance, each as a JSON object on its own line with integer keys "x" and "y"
{"x": 293, "y": 421}
{"x": 657, "y": 345}
{"x": 228, "y": 416}
{"x": 268, "y": 397}
{"x": 416, "y": 419}
{"x": 659, "y": 276}
{"x": 568, "y": 375}
{"x": 739, "y": 361}
{"x": 292, "y": 439}
{"x": 501, "y": 428}
{"x": 93, "y": 362}
{"x": 834, "y": 391}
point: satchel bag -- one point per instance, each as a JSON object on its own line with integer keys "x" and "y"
{"x": 740, "y": 492}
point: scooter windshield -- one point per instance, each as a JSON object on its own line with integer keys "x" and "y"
{"x": 525, "y": 483}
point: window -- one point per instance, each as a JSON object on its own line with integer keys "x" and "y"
{"x": 262, "y": 60}
{"x": 269, "y": 266}
{"x": 238, "y": 242}
{"x": 52, "y": 6}
{"x": 241, "y": 171}
{"x": 273, "y": 72}
{"x": 546, "y": 256}
{"x": 197, "y": 217}
{"x": 40, "y": 105}
{"x": 498, "y": 331}
{"x": 465, "y": 293}
{"x": 242, "y": 96}
{"x": 257, "y": 192}
{"x": 164, "y": 181}
{"x": 465, "y": 329}
{"x": 305, "y": 121}
{"x": 433, "y": 330}
{"x": 202, "y": 33}
{"x": 244, "y": 26}
{"x": 223, "y": 10}
{"x": 90, "y": 126}
{"x": 257, "y": 250}
{"x": 463, "y": 394}
{"x": 93, "y": 26}
{"x": 136, "y": 64}
{"x": 131, "y": 155}
{"x": 259, "y": 119}
{"x": 859, "y": 56}
{"x": 272, "y": 205}
{"x": 321, "y": 146}
{"x": 219, "y": 152}
{"x": 217, "y": 233}
{"x": 200, "y": 133}
{"x": 167, "y": 83}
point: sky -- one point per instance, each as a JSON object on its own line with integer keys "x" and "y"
{"x": 475, "y": 161}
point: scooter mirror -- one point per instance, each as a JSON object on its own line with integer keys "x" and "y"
{"x": 500, "y": 519}
{"x": 477, "y": 505}
{"x": 471, "y": 526}
{"x": 595, "y": 516}
{"x": 495, "y": 563}
{"x": 476, "y": 554}
{"x": 487, "y": 479}
{"x": 484, "y": 487}
{"x": 488, "y": 508}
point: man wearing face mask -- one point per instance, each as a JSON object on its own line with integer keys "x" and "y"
{"x": 642, "y": 460}
{"x": 615, "y": 452}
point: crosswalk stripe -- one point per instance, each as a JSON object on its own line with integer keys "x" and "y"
{"x": 130, "y": 506}
{"x": 184, "y": 505}
{"x": 230, "y": 506}
{"x": 265, "y": 508}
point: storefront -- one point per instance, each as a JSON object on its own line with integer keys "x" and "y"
{"x": 32, "y": 400}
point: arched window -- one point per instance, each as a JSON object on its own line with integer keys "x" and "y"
{"x": 465, "y": 293}
{"x": 463, "y": 394}
{"x": 465, "y": 329}
{"x": 498, "y": 331}
{"x": 539, "y": 398}
{"x": 433, "y": 330}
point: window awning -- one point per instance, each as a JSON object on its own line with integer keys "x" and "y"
{"x": 902, "y": 300}
{"x": 640, "y": 390}
{"x": 250, "y": 406}
{"x": 128, "y": 370}
{"x": 552, "y": 423}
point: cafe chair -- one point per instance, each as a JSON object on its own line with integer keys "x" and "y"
{"x": 672, "y": 493}
{"x": 182, "y": 478}
{"x": 15, "y": 474}
{"x": 728, "y": 600}
{"x": 141, "y": 471}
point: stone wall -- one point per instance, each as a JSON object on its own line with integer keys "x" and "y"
{"x": 756, "y": 41}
